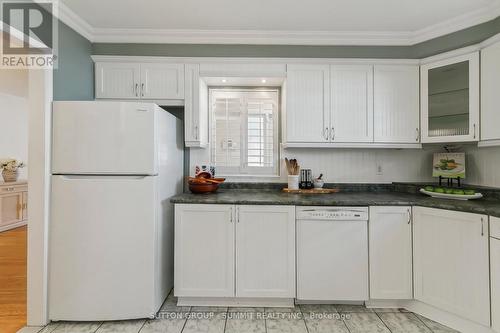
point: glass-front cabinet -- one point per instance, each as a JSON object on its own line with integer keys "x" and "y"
{"x": 450, "y": 99}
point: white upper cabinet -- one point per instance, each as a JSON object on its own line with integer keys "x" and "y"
{"x": 265, "y": 251}
{"x": 352, "y": 105}
{"x": 490, "y": 96}
{"x": 204, "y": 250}
{"x": 132, "y": 80}
{"x": 396, "y": 104}
{"x": 195, "y": 108}
{"x": 162, "y": 81}
{"x": 307, "y": 104}
{"x": 450, "y": 99}
{"x": 390, "y": 248}
{"x": 351, "y": 96}
{"x": 451, "y": 262}
{"x": 118, "y": 80}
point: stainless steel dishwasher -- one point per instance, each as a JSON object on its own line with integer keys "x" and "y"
{"x": 332, "y": 253}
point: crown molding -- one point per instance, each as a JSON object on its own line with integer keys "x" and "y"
{"x": 261, "y": 37}
{"x": 254, "y": 37}
{"x": 458, "y": 23}
{"x": 74, "y": 21}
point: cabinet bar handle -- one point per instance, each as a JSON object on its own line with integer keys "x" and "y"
{"x": 474, "y": 131}
{"x": 19, "y": 210}
{"x": 325, "y": 133}
{"x": 332, "y": 135}
{"x": 418, "y": 135}
{"x": 196, "y": 132}
{"x": 142, "y": 89}
{"x": 136, "y": 90}
{"x": 231, "y": 221}
{"x": 409, "y": 215}
{"x": 482, "y": 226}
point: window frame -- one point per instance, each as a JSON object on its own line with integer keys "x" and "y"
{"x": 242, "y": 170}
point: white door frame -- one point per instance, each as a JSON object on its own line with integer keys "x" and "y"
{"x": 40, "y": 96}
{"x": 39, "y": 152}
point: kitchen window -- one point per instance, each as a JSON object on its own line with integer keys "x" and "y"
{"x": 244, "y": 131}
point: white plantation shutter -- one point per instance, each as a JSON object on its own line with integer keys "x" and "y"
{"x": 244, "y": 131}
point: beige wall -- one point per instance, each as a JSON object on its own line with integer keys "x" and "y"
{"x": 14, "y": 116}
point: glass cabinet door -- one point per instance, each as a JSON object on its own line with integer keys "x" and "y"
{"x": 450, "y": 100}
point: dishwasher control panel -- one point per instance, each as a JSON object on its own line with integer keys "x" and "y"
{"x": 333, "y": 213}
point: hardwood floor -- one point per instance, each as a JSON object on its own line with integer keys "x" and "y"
{"x": 13, "y": 248}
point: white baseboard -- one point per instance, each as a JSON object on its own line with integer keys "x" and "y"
{"x": 448, "y": 319}
{"x": 387, "y": 304}
{"x": 30, "y": 329}
{"x": 236, "y": 301}
{"x": 13, "y": 226}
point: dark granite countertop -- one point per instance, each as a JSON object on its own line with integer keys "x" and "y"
{"x": 357, "y": 198}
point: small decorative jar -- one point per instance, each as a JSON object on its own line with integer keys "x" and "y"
{"x": 10, "y": 176}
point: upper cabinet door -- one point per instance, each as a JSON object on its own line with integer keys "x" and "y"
{"x": 351, "y": 103}
{"x": 450, "y": 99}
{"x": 162, "y": 81}
{"x": 118, "y": 80}
{"x": 307, "y": 103}
{"x": 490, "y": 98}
{"x": 195, "y": 108}
{"x": 396, "y": 104}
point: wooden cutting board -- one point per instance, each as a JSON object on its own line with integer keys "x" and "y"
{"x": 312, "y": 191}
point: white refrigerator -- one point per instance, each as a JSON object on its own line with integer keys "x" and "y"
{"x": 115, "y": 165}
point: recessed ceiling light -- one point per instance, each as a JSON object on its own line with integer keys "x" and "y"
{"x": 224, "y": 80}
{"x": 263, "y": 81}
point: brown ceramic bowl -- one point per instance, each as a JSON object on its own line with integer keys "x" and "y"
{"x": 203, "y": 188}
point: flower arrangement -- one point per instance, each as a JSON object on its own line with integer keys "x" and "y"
{"x": 10, "y": 169}
{"x": 11, "y": 165}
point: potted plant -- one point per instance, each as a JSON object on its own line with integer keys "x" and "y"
{"x": 10, "y": 169}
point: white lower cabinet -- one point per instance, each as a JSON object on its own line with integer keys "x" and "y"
{"x": 204, "y": 250}
{"x": 265, "y": 251}
{"x": 451, "y": 266}
{"x": 234, "y": 251}
{"x": 390, "y": 248}
{"x": 495, "y": 272}
{"x": 495, "y": 283}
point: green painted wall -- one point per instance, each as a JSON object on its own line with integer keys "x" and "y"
{"x": 74, "y": 77}
{"x": 438, "y": 45}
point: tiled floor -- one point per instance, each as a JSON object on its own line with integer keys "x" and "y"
{"x": 301, "y": 319}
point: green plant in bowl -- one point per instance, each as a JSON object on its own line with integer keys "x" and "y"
{"x": 459, "y": 192}
{"x": 469, "y": 192}
{"x": 449, "y": 190}
{"x": 429, "y": 188}
{"x": 439, "y": 190}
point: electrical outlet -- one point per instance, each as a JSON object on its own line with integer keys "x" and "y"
{"x": 380, "y": 170}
